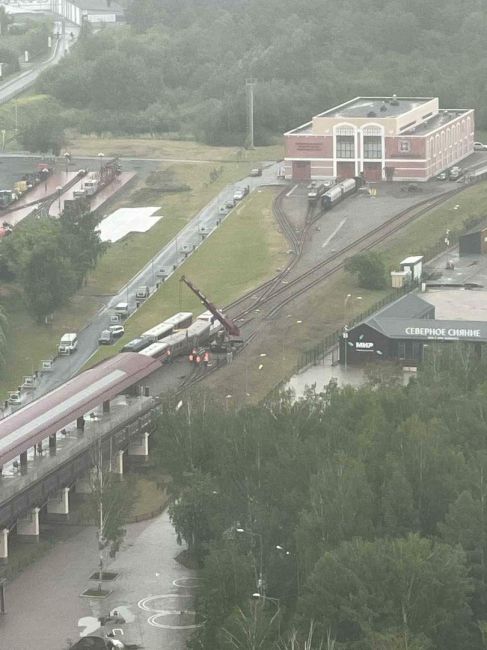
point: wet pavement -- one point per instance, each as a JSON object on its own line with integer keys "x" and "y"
{"x": 328, "y": 370}
{"x": 99, "y": 199}
{"x": 21, "y": 210}
{"x": 152, "y": 593}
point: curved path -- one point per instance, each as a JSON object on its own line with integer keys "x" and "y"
{"x": 16, "y": 85}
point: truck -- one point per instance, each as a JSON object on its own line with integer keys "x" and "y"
{"x": 91, "y": 183}
{"x": 68, "y": 343}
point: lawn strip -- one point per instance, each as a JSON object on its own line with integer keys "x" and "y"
{"x": 245, "y": 250}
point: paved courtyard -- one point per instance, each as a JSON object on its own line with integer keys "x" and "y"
{"x": 152, "y": 593}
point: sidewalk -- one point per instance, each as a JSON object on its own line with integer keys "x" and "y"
{"x": 44, "y": 602}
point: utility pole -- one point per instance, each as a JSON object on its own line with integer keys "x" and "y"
{"x": 249, "y": 87}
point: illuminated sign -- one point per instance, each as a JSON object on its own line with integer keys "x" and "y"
{"x": 364, "y": 345}
{"x": 443, "y": 332}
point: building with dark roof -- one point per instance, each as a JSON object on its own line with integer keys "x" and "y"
{"x": 400, "y": 332}
{"x": 473, "y": 242}
{"x": 381, "y": 138}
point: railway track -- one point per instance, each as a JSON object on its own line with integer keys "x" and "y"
{"x": 324, "y": 269}
{"x": 296, "y": 241}
{"x": 269, "y": 291}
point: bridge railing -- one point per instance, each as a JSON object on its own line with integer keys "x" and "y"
{"x": 95, "y": 430}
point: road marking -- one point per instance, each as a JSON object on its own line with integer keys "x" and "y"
{"x": 291, "y": 191}
{"x": 183, "y": 582}
{"x": 327, "y": 241}
{"x": 145, "y": 604}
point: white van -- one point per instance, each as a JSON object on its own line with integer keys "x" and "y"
{"x": 122, "y": 309}
{"x": 68, "y": 343}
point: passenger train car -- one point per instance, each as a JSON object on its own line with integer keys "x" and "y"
{"x": 180, "y": 320}
{"x": 175, "y": 336}
{"x": 339, "y": 191}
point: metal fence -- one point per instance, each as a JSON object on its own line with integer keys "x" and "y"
{"x": 315, "y": 354}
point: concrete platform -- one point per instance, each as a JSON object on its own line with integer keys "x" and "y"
{"x": 38, "y": 194}
{"x": 99, "y": 199}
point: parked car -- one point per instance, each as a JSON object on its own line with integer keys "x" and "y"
{"x": 162, "y": 273}
{"x": 442, "y": 176}
{"x": 14, "y": 398}
{"x": 238, "y": 195}
{"x": 479, "y": 146}
{"x": 229, "y": 204}
{"x": 105, "y": 338}
{"x": 223, "y": 209}
{"x": 455, "y": 173}
{"x": 142, "y": 292}
{"x": 256, "y": 171}
{"x": 117, "y": 331}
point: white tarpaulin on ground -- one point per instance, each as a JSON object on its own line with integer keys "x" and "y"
{"x": 125, "y": 220}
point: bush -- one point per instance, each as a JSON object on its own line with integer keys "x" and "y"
{"x": 369, "y": 269}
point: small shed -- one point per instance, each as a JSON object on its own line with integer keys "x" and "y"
{"x": 473, "y": 242}
{"x": 414, "y": 264}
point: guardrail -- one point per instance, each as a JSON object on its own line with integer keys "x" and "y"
{"x": 63, "y": 468}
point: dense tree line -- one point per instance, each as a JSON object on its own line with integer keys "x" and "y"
{"x": 50, "y": 259}
{"x": 361, "y": 513}
{"x": 180, "y": 66}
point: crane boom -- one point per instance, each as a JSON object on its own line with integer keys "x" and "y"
{"x": 228, "y": 324}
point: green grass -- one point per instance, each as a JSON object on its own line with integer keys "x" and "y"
{"x": 162, "y": 148}
{"x": 424, "y": 233}
{"x": 288, "y": 339}
{"x": 126, "y": 257}
{"x": 150, "y": 498}
{"x": 244, "y": 251}
{"x": 29, "y": 343}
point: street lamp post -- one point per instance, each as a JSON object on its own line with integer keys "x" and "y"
{"x": 101, "y": 155}
{"x": 59, "y": 189}
{"x": 345, "y": 345}
{"x": 277, "y": 603}
{"x": 260, "y": 580}
{"x": 45, "y": 173}
{"x": 348, "y": 297}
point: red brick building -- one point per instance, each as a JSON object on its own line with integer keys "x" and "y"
{"x": 395, "y": 138}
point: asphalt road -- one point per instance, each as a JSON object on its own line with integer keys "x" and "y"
{"x": 171, "y": 258}
{"x": 19, "y": 83}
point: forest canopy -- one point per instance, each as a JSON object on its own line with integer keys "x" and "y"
{"x": 179, "y": 66}
{"x": 362, "y": 513}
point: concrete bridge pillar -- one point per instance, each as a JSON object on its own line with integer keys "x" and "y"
{"x": 28, "y": 526}
{"x": 106, "y": 406}
{"x": 58, "y": 505}
{"x": 80, "y": 424}
{"x": 23, "y": 461}
{"x": 4, "y": 545}
{"x": 118, "y": 462}
{"x": 52, "y": 444}
{"x": 139, "y": 446}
